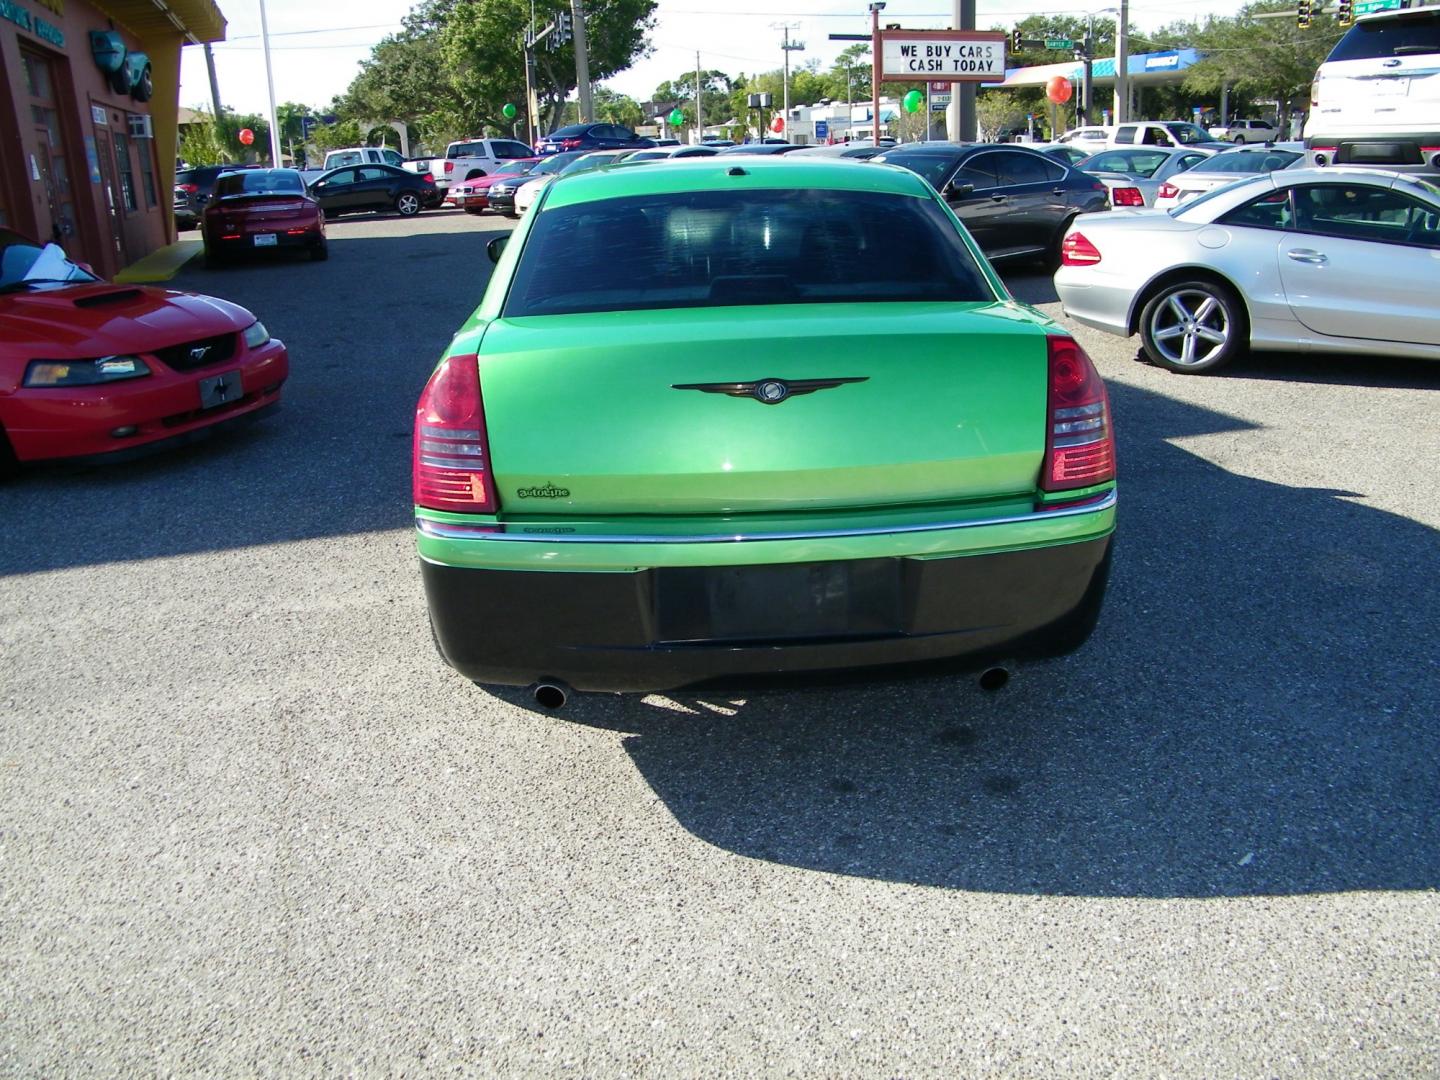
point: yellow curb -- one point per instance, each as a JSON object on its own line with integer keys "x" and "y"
{"x": 160, "y": 265}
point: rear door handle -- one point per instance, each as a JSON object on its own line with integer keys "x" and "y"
{"x": 1307, "y": 255}
{"x": 998, "y": 198}
{"x": 1057, "y": 191}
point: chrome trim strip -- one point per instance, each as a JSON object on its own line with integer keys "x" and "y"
{"x": 446, "y": 531}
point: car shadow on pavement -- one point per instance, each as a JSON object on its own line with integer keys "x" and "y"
{"x": 363, "y": 329}
{"x": 1255, "y": 715}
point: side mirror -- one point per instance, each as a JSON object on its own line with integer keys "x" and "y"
{"x": 495, "y": 247}
{"x": 960, "y": 191}
{"x": 87, "y": 268}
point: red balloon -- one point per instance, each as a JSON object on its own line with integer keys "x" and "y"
{"x": 247, "y": 136}
{"x": 1058, "y": 89}
{"x": 778, "y": 124}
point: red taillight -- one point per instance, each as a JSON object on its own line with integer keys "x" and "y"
{"x": 570, "y": 144}
{"x": 1167, "y": 191}
{"x": 1076, "y": 250}
{"x": 1126, "y": 196}
{"x": 451, "y": 462}
{"x": 429, "y": 178}
{"x": 191, "y": 188}
{"x": 1079, "y": 441}
{"x": 449, "y": 166}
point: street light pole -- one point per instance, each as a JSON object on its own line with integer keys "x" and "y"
{"x": 1122, "y": 63}
{"x": 275, "y": 162}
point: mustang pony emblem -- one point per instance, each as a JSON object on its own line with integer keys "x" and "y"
{"x": 199, "y": 352}
{"x": 769, "y": 391}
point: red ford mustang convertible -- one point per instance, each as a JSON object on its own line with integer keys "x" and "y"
{"x": 94, "y": 370}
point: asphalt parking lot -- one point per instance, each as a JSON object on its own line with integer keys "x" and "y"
{"x": 250, "y": 824}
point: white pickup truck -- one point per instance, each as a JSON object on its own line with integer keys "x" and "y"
{"x": 471, "y": 158}
{"x": 365, "y": 155}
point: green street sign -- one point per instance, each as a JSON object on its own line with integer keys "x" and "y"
{"x": 1063, "y": 43}
{"x": 1365, "y": 7}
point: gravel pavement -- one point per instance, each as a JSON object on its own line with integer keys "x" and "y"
{"x": 250, "y": 825}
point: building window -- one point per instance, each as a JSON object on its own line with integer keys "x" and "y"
{"x": 143, "y": 148}
{"x": 127, "y": 177}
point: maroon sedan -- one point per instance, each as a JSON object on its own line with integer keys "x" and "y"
{"x": 262, "y": 210}
{"x": 93, "y": 370}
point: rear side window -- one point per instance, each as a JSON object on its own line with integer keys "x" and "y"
{"x": 1407, "y": 35}
{"x": 1014, "y": 168}
{"x": 729, "y": 248}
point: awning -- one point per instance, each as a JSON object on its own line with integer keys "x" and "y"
{"x": 197, "y": 20}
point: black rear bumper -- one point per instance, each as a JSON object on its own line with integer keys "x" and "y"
{"x": 668, "y": 628}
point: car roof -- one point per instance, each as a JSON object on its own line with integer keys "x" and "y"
{"x": 719, "y": 172}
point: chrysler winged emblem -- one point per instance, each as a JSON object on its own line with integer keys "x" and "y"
{"x": 770, "y": 391}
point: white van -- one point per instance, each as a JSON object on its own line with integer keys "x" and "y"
{"x": 1376, "y": 98}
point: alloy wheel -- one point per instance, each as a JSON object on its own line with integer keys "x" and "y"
{"x": 1190, "y": 327}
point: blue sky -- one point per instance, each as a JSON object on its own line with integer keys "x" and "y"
{"x": 316, "y": 51}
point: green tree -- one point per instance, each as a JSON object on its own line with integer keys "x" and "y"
{"x": 852, "y": 70}
{"x": 617, "y": 108}
{"x": 1267, "y": 59}
{"x": 201, "y": 142}
{"x": 336, "y": 136}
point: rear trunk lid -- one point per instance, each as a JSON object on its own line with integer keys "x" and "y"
{"x": 585, "y": 413}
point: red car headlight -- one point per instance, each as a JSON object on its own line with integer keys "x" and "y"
{"x": 106, "y": 369}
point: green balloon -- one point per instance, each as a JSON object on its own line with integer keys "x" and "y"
{"x": 676, "y": 118}
{"x": 509, "y": 111}
{"x": 913, "y": 101}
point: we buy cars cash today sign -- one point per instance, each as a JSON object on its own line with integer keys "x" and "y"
{"x": 954, "y": 55}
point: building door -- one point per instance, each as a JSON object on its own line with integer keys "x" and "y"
{"x": 111, "y": 194}
{"x": 47, "y": 164}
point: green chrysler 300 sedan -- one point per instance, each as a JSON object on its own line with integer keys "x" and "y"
{"x": 724, "y": 419}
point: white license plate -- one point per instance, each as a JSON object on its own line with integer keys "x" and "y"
{"x": 1396, "y": 87}
{"x": 266, "y": 239}
{"x": 220, "y": 390}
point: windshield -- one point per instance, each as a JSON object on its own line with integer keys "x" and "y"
{"x": 1248, "y": 161}
{"x": 515, "y": 168}
{"x": 556, "y": 162}
{"x": 1188, "y": 133}
{"x": 587, "y": 162}
{"x": 1405, "y": 35}
{"x": 23, "y": 263}
{"x": 260, "y": 182}
{"x": 742, "y": 246}
{"x": 933, "y": 167}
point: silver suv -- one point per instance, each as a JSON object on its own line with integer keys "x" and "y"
{"x": 1376, "y": 98}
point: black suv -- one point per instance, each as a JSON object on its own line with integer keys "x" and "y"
{"x": 592, "y": 137}
{"x": 193, "y": 188}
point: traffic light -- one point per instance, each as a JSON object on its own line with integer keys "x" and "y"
{"x": 1302, "y": 14}
{"x": 1016, "y": 38}
{"x": 1345, "y": 14}
{"x": 563, "y": 28}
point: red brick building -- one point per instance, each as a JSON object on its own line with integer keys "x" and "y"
{"x": 89, "y": 93}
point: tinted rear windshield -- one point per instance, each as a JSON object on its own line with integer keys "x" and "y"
{"x": 1404, "y": 36}
{"x": 1248, "y": 161}
{"x": 728, "y": 248}
{"x": 570, "y": 132}
{"x": 260, "y": 180}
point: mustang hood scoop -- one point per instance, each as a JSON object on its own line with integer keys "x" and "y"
{"x": 113, "y": 296}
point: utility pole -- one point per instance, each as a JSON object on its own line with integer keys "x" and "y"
{"x": 1122, "y": 63}
{"x": 214, "y": 82}
{"x": 270, "y": 85}
{"x": 1087, "y": 81}
{"x": 875, "y": 65}
{"x": 582, "y": 62}
{"x": 787, "y": 47}
{"x": 699, "y": 116}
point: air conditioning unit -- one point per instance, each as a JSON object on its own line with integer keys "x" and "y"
{"x": 141, "y": 127}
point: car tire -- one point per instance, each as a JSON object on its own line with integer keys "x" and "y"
{"x": 319, "y": 252}
{"x": 9, "y": 463}
{"x": 1193, "y": 326}
{"x": 407, "y": 204}
{"x": 1050, "y": 261}
{"x": 1238, "y": 140}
